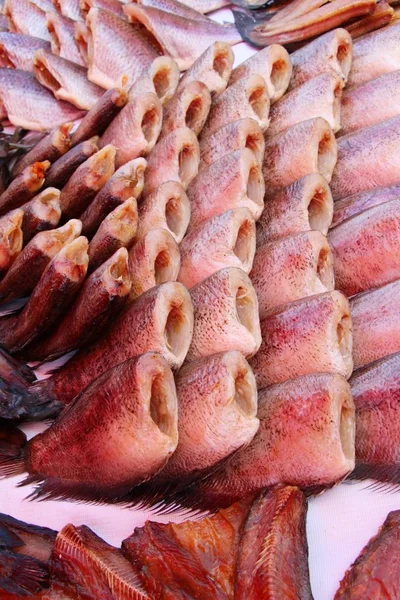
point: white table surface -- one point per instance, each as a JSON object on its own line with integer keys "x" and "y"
{"x": 340, "y": 521}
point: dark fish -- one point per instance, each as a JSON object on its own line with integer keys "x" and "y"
{"x": 69, "y": 8}
{"x": 50, "y": 148}
{"x": 30, "y": 540}
{"x": 24, "y": 187}
{"x": 113, "y": 6}
{"x": 188, "y": 108}
{"x": 21, "y": 576}
{"x": 15, "y": 372}
{"x": 16, "y": 50}
{"x": 11, "y": 238}
{"x": 41, "y": 213}
{"x": 63, "y": 168}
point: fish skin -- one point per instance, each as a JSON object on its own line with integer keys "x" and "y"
{"x": 24, "y": 274}
{"x": 24, "y": 187}
{"x": 62, "y": 169}
{"x": 367, "y": 159}
{"x": 213, "y": 67}
{"x": 317, "y": 97}
{"x": 361, "y": 260}
{"x": 376, "y": 332}
{"x": 69, "y": 9}
{"x": 171, "y": 33}
{"x": 62, "y": 33}
{"x": 225, "y": 315}
{"x": 382, "y": 15}
{"x": 113, "y": 6}
{"x": 86, "y": 181}
{"x": 332, "y": 51}
{"x": 375, "y": 572}
{"x": 29, "y": 105}
{"x": 118, "y": 230}
{"x": 273, "y": 63}
{"x": 205, "y": 6}
{"x": 100, "y": 300}
{"x": 175, "y": 7}
{"x": 237, "y": 102}
{"x": 160, "y": 78}
{"x": 304, "y": 205}
{"x": 168, "y": 207}
{"x": 225, "y": 240}
{"x": 135, "y": 130}
{"x": 51, "y": 147}
{"x": 29, "y": 540}
{"x": 305, "y": 336}
{"x": 374, "y": 54}
{"x": 292, "y": 268}
{"x": 244, "y": 133}
{"x": 145, "y": 319}
{"x": 58, "y": 285}
{"x": 175, "y": 158}
{"x": 25, "y": 17}
{"x": 21, "y": 575}
{"x": 66, "y": 80}
{"x": 116, "y": 60}
{"x": 153, "y": 259}
{"x": 100, "y": 116}
{"x": 273, "y": 555}
{"x": 127, "y": 182}
{"x": 16, "y": 50}
{"x": 41, "y": 213}
{"x": 224, "y": 185}
{"x": 11, "y": 238}
{"x": 188, "y": 108}
{"x": 305, "y": 148}
{"x": 357, "y": 203}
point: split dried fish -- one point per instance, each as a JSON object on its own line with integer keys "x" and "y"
{"x": 24, "y": 187}
{"x": 213, "y": 68}
{"x": 50, "y": 148}
{"x": 62, "y": 33}
{"x": 357, "y": 203}
{"x": 69, "y": 8}
{"x": 160, "y": 78}
{"x": 62, "y": 169}
{"x": 41, "y": 213}
{"x": 113, "y": 6}
{"x": 16, "y": 50}
{"x": 188, "y": 108}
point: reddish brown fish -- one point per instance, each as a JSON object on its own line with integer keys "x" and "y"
{"x": 63, "y": 43}
{"x": 24, "y": 186}
{"x": 332, "y": 51}
{"x": 28, "y": 267}
{"x": 11, "y": 238}
{"x": 62, "y": 169}
{"x": 16, "y": 50}
{"x": 25, "y": 17}
{"x": 305, "y": 205}
{"x": 175, "y": 158}
{"x": 100, "y": 300}
{"x": 41, "y": 213}
{"x": 292, "y": 268}
{"x": 87, "y": 180}
{"x": 376, "y": 326}
{"x": 22, "y": 576}
{"x": 58, "y": 285}
{"x": 248, "y": 97}
{"x": 168, "y": 207}
{"x": 69, "y": 8}
{"x": 233, "y": 181}
{"x": 118, "y": 230}
{"x": 375, "y": 573}
{"x": 127, "y": 182}
{"x": 225, "y": 315}
{"x": 226, "y": 240}
{"x": 51, "y": 147}
{"x": 160, "y": 78}
{"x": 205, "y": 6}
{"x": 308, "y": 147}
{"x": 188, "y": 108}
{"x": 213, "y": 67}
{"x": 30, "y": 540}
{"x": 357, "y": 203}
{"x": 306, "y": 336}
{"x": 153, "y": 259}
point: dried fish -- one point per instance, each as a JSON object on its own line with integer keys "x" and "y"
{"x": 357, "y": 203}
{"x": 205, "y": 6}
{"x": 41, "y": 213}
{"x": 16, "y": 50}
{"x": 188, "y": 108}
{"x": 24, "y": 186}
{"x": 63, "y": 43}
{"x": 69, "y": 8}
{"x": 25, "y": 17}
{"x": 30, "y": 540}
{"x": 160, "y": 78}
{"x": 11, "y": 238}
{"x": 213, "y": 67}
{"x": 50, "y": 148}
{"x": 21, "y": 575}
{"x": 113, "y": 6}
{"x": 60, "y": 171}
{"x": 382, "y": 15}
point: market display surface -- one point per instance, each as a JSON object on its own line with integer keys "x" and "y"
{"x": 200, "y": 268}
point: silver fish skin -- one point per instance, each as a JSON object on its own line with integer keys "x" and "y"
{"x": 25, "y": 17}
{"x": 63, "y": 43}
{"x": 16, "y": 50}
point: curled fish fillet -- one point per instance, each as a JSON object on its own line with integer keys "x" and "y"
{"x": 357, "y": 203}
{"x": 69, "y": 9}
{"x": 62, "y": 169}
{"x": 16, "y": 50}
{"x": 233, "y": 181}
{"x": 213, "y": 68}
{"x": 25, "y": 17}
{"x": 188, "y": 108}
{"x": 306, "y": 336}
{"x": 62, "y": 33}
{"x": 225, "y": 240}
{"x": 161, "y": 78}
{"x": 11, "y": 238}
{"x": 41, "y": 213}
{"x": 225, "y": 315}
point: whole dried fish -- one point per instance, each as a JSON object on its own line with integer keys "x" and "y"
{"x": 225, "y": 240}
{"x": 160, "y": 78}
{"x": 16, "y": 50}
{"x": 305, "y": 148}
{"x": 25, "y": 17}
{"x": 24, "y": 186}
{"x": 66, "y": 80}
{"x": 28, "y": 268}
{"x": 50, "y": 147}
{"x": 153, "y": 259}
{"x": 127, "y": 182}
{"x": 41, "y": 213}
{"x": 233, "y": 181}
{"x": 188, "y": 108}
{"x": 303, "y": 337}
{"x": 304, "y": 205}
{"x": 60, "y": 171}
{"x": 29, "y": 105}
{"x": 273, "y": 64}
{"x": 86, "y": 181}
{"x": 213, "y": 67}
{"x": 11, "y": 238}
{"x": 244, "y": 133}
{"x": 292, "y": 268}
{"x": 118, "y": 230}
{"x": 100, "y": 300}
{"x": 62, "y": 33}
{"x": 69, "y": 8}
{"x": 357, "y": 203}
{"x": 113, "y": 6}
{"x": 225, "y": 315}
{"x": 182, "y": 38}
{"x": 168, "y": 207}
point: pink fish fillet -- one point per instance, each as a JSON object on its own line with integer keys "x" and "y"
{"x": 63, "y": 43}
{"x": 304, "y": 205}
{"x": 188, "y": 108}
{"x": 304, "y": 148}
{"x": 175, "y": 7}
{"x": 233, "y": 181}
{"x": 306, "y": 336}
{"x": 16, "y": 50}
{"x": 25, "y": 17}
{"x": 11, "y": 238}
{"x": 226, "y": 240}
{"x": 357, "y": 203}
{"x": 225, "y": 315}
{"x": 213, "y": 68}
{"x": 376, "y": 324}
{"x": 30, "y": 105}
{"x": 292, "y": 268}
{"x": 69, "y": 8}
{"x": 41, "y": 213}
{"x": 113, "y": 6}
{"x": 368, "y": 158}
{"x": 160, "y": 78}
{"x": 51, "y": 147}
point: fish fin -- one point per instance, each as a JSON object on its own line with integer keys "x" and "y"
{"x": 245, "y": 22}
{"x": 13, "y": 370}
{"x": 24, "y": 404}
{"x": 21, "y": 575}
{"x": 9, "y": 539}
{"x": 387, "y": 477}
{"x": 10, "y": 527}
{"x": 12, "y": 452}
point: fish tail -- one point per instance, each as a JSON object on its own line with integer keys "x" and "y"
{"x": 12, "y": 451}
{"x": 26, "y": 403}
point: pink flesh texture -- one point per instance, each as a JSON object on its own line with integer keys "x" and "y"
{"x": 16, "y": 50}
{"x": 63, "y": 41}
{"x": 357, "y": 203}
{"x": 213, "y": 68}
{"x": 188, "y": 108}
{"x": 25, "y": 17}
{"x": 69, "y": 8}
